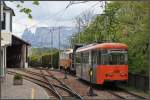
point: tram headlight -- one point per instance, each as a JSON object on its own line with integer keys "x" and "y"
{"x": 108, "y": 74}
{"x": 123, "y": 74}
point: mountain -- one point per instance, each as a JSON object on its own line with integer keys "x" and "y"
{"x": 42, "y": 36}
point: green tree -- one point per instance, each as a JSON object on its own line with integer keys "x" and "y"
{"x": 127, "y": 22}
{"x": 23, "y": 9}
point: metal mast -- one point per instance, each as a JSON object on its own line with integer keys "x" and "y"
{"x": 51, "y": 48}
{"x": 59, "y": 44}
{"x": 107, "y": 38}
{"x": 79, "y": 29}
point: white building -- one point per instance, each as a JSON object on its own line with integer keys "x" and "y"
{"x": 6, "y": 34}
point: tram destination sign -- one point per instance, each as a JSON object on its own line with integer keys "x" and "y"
{"x": 117, "y": 51}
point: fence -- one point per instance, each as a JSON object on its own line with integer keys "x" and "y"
{"x": 138, "y": 81}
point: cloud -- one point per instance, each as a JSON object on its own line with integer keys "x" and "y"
{"x": 49, "y": 13}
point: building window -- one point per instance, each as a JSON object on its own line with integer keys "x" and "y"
{"x": 4, "y": 21}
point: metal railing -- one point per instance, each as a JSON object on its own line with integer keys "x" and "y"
{"x": 138, "y": 81}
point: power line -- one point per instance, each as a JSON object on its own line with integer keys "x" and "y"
{"x": 48, "y": 18}
{"x": 80, "y": 20}
{"x": 56, "y": 14}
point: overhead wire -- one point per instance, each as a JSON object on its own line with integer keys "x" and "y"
{"x": 48, "y": 18}
{"x": 59, "y": 13}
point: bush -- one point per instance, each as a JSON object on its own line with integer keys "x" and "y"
{"x": 34, "y": 61}
{"x": 18, "y": 77}
{"x": 46, "y": 60}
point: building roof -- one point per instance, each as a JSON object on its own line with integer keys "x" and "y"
{"x": 21, "y": 40}
{"x": 103, "y": 46}
{"x": 8, "y": 8}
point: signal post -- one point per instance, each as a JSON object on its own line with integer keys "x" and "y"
{"x": 91, "y": 92}
{"x": 65, "y": 72}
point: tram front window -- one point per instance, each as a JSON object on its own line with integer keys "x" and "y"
{"x": 117, "y": 58}
{"x": 114, "y": 58}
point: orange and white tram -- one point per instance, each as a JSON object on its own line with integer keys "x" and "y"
{"x": 65, "y": 58}
{"x": 107, "y": 60}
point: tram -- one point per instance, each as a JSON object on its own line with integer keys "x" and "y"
{"x": 65, "y": 59}
{"x": 108, "y": 61}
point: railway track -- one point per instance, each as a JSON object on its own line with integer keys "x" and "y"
{"x": 36, "y": 81}
{"x": 122, "y": 94}
{"x": 125, "y": 95}
{"x": 66, "y": 86}
{"x": 56, "y": 87}
{"x": 46, "y": 82}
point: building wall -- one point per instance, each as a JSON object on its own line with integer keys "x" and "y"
{"x": 3, "y": 61}
{"x": 6, "y": 36}
{"x": 6, "y": 33}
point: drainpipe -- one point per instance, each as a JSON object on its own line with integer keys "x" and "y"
{"x": 0, "y": 43}
{"x": 149, "y": 49}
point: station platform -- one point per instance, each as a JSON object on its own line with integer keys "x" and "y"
{"x": 28, "y": 90}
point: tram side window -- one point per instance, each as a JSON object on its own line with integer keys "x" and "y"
{"x": 78, "y": 58}
{"x": 86, "y": 57}
{"x": 103, "y": 57}
{"x": 95, "y": 57}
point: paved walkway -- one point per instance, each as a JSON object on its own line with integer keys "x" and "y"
{"x": 28, "y": 90}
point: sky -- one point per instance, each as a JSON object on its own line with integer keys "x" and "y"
{"x": 50, "y": 14}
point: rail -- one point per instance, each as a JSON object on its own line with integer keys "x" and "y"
{"x": 51, "y": 86}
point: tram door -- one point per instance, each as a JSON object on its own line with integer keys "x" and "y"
{"x": 94, "y": 64}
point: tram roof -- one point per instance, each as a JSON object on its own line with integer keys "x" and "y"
{"x": 67, "y": 51}
{"x": 103, "y": 46}
{"x": 70, "y": 51}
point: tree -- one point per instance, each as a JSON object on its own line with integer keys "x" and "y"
{"x": 127, "y": 22}
{"x": 28, "y": 11}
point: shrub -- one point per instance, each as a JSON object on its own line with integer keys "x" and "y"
{"x": 18, "y": 77}
{"x": 46, "y": 60}
{"x": 42, "y": 58}
{"x": 34, "y": 61}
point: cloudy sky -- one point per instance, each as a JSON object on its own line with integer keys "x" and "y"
{"x": 51, "y": 13}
